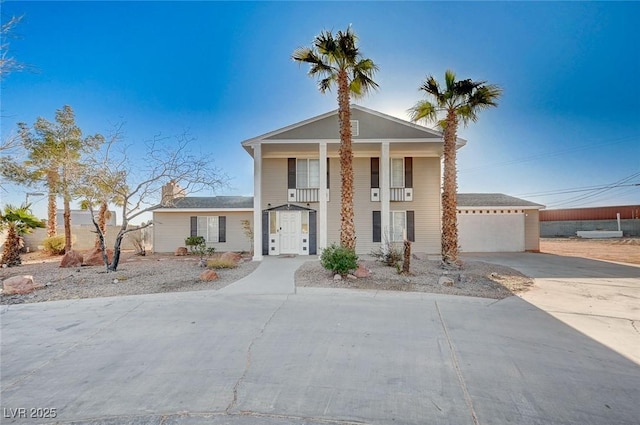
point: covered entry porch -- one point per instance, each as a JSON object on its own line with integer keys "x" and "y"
{"x": 289, "y": 229}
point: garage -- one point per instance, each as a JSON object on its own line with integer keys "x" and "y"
{"x": 494, "y": 222}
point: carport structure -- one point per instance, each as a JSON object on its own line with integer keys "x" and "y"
{"x": 494, "y": 222}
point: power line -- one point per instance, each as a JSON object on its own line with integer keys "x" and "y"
{"x": 572, "y": 190}
{"x": 596, "y": 192}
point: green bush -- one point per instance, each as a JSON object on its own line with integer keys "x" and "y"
{"x": 54, "y": 245}
{"x": 339, "y": 259}
{"x": 196, "y": 244}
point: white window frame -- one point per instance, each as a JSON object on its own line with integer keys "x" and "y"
{"x": 397, "y": 235}
{"x": 308, "y": 173}
{"x": 211, "y": 231}
{"x": 355, "y": 128}
{"x": 391, "y": 182}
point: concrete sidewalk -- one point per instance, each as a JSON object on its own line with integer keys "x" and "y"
{"x": 274, "y": 275}
{"x": 319, "y": 356}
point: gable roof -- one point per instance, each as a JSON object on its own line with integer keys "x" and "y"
{"x": 490, "y": 200}
{"x": 373, "y": 125}
{"x": 210, "y": 202}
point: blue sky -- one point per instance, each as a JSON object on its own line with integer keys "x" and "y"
{"x": 569, "y": 118}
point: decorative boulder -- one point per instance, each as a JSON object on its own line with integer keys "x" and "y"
{"x": 445, "y": 281}
{"x": 208, "y": 275}
{"x": 231, "y": 256}
{"x": 94, "y": 257}
{"x": 71, "y": 259}
{"x": 19, "y": 285}
{"x": 362, "y": 271}
{"x": 337, "y": 277}
{"x": 181, "y": 251}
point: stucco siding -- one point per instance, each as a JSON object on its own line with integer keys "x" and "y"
{"x": 170, "y": 229}
{"x": 532, "y": 230}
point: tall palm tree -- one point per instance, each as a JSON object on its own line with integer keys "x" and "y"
{"x": 18, "y": 221}
{"x": 336, "y": 60}
{"x": 459, "y": 101}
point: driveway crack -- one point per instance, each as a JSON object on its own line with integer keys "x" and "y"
{"x": 248, "y": 358}
{"x": 456, "y": 365}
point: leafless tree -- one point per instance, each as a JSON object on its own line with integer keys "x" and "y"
{"x": 137, "y": 182}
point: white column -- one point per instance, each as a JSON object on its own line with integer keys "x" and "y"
{"x": 257, "y": 202}
{"x": 322, "y": 193}
{"x": 385, "y": 195}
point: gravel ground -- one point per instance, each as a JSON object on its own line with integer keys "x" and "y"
{"x": 136, "y": 275}
{"x": 475, "y": 279}
{"x": 158, "y": 273}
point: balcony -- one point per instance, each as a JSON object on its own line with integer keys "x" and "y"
{"x": 304, "y": 195}
{"x": 396, "y": 194}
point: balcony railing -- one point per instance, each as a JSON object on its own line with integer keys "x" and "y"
{"x": 304, "y": 195}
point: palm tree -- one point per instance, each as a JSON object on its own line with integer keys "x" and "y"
{"x": 18, "y": 221}
{"x": 460, "y": 101}
{"x": 337, "y": 60}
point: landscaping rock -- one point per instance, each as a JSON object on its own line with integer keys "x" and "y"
{"x": 94, "y": 257}
{"x": 352, "y": 277}
{"x": 445, "y": 281}
{"x": 19, "y": 285}
{"x": 181, "y": 251}
{"x": 362, "y": 271}
{"x": 337, "y": 277}
{"x": 71, "y": 259}
{"x": 208, "y": 275}
{"x": 231, "y": 256}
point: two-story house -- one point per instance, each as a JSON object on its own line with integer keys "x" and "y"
{"x": 297, "y": 186}
{"x": 296, "y": 204}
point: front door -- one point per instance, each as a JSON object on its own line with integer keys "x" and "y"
{"x": 289, "y": 232}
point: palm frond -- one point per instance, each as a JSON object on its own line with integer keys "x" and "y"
{"x": 423, "y": 110}
{"x": 325, "y": 84}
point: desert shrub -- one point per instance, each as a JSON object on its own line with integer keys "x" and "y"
{"x": 54, "y": 245}
{"x": 339, "y": 259}
{"x": 388, "y": 253}
{"x": 195, "y": 244}
{"x": 221, "y": 263}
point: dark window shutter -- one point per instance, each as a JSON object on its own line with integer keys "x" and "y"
{"x": 265, "y": 232}
{"x": 328, "y": 173}
{"x": 291, "y": 173}
{"x": 408, "y": 171}
{"x": 375, "y": 172}
{"x": 377, "y": 227}
{"x": 194, "y": 226}
{"x": 313, "y": 233}
{"x": 411, "y": 228}
{"x": 222, "y": 228}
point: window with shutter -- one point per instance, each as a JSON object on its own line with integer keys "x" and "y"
{"x": 208, "y": 228}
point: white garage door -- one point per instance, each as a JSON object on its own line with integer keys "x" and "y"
{"x": 490, "y": 232}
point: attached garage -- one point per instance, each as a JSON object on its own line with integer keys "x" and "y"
{"x": 494, "y": 222}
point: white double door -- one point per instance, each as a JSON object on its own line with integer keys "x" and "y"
{"x": 289, "y": 231}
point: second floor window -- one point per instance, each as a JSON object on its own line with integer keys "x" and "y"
{"x": 397, "y": 172}
{"x": 308, "y": 173}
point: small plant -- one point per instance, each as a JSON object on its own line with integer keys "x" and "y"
{"x": 248, "y": 232}
{"x": 221, "y": 263}
{"x": 54, "y": 245}
{"x": 195, "y": 243}
{"x": 388, "y": 253}
{"x": 137, "y": 240}
{"x": 339, "y": 259}
{"x": 198, "y": 246}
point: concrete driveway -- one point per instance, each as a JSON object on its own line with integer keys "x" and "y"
{"x": 318, "y": 356}
{"x": 598, "y": 298}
